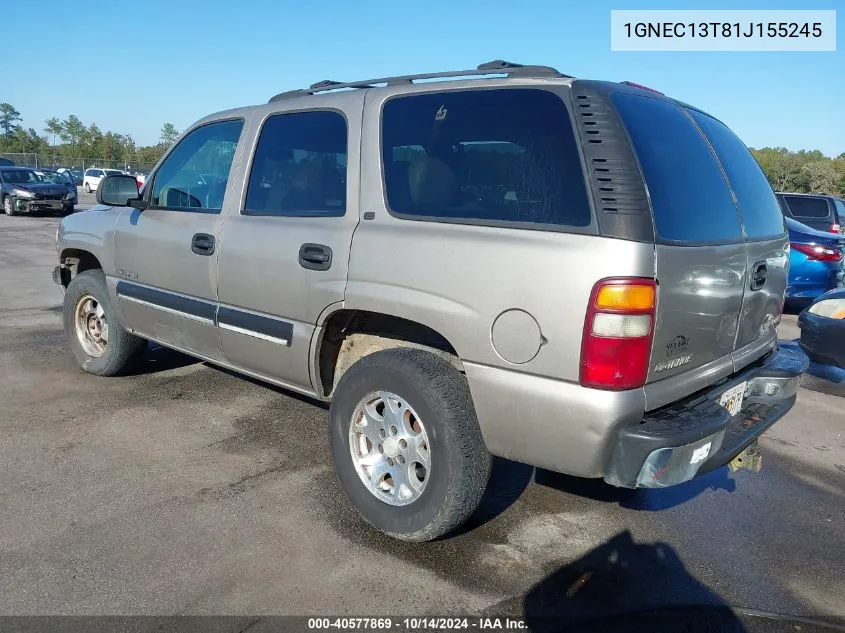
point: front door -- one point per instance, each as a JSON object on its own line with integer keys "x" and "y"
{"x": 166, "y": 255}
{"x": 284, "y": 253}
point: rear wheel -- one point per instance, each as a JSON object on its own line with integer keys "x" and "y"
{"x": 95, "y": 338}
{"x": 87, "y": 187}
{"x": 406, "y": 444}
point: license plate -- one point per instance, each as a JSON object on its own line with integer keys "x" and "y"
{"x": 732, "y": 398}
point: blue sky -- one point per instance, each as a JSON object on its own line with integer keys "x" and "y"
{"x": 136, "y": 65}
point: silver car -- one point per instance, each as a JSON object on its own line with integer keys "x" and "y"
{"x": 585, "y": 276}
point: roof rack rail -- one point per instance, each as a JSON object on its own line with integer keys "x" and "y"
{"x": 496, "y": 67}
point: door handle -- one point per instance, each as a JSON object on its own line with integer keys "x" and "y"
{"x": 202, "y": 244}
{"x": 759, "y": 272}
{"x": 315, "y": 256}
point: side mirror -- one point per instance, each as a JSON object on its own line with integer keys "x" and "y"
{"x": 117, "y": 191}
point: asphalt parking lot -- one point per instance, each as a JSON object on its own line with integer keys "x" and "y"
{"x": 185, "y": 489}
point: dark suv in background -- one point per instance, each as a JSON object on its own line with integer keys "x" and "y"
{"x": 821, "y": 212}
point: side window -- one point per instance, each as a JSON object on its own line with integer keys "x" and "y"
{"x": 488, "y": 156}
{"x": 194, "y": 175}
{"x": 299, "y": 166}
{"x": 100, "y": 174}
{"x": 758, "y": 206}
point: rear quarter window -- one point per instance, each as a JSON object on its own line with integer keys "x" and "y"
{"x": 807, "y": 206}
{"x": 499, "y": 156}
{"x": 758, "y": 205}
{"x": 690, "y": 199}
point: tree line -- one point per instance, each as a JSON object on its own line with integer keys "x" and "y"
{"x": 67, "y": 140}
{"x": 70, "y": 138}
{"x": 803, "y": 171}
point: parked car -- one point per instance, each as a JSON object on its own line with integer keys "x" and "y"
{"x": 141, "y": 178}
{"x": 23, "y": 191}
{"x": 61, "y": 178}
{"x": 5, "y": 162}
{"x": 824, "y": 213}
{"x": 92, "y": 177}
{"x": 74, "y": 174}
{"x": 815, "y": 261}
{"x": 431, "y": 258}
{"x": 823, "y": 329}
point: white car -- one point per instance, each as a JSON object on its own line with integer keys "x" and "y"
{"x": 93, "y": 176}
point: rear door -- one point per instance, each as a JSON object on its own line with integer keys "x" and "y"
{"x": 814, "y": 211}
{"x": 766, "y": 241}
{"x": 700, "y": 251}
{"x": 707, "y": 308}
{"x": 284, "y": 251}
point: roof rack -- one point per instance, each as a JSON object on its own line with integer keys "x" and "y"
{"x": 496, "y": 67}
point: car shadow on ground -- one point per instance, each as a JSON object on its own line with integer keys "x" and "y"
{"x": 158, "y": 358}
{"x": 622, "y": 585}
{"x": 643, "y": 499}
{"x": 509, "y": 480}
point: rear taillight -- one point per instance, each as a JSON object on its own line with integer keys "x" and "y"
{"x": 835, "y": 228}
{"x": 818, "y": 253}
{"x": 618, "y": 330}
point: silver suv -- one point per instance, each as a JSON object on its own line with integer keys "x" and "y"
{"x": 585, "y": 276}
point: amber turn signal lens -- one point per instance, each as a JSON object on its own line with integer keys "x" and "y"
{"x": 625, "y": 297}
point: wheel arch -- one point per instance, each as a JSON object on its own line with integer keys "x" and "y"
{"x": 347, "y": 335}
{"x": 75, "y": 261}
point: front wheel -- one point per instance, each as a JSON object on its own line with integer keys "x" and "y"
{"x": 95, "y": 338}
{"x": 406, "y": 444}
{"x": 67, "y": 210}
{"x": 87, "y": 187}
{"x": 9, "y": 206}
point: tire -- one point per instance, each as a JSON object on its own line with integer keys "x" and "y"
{"x": 87, "y": 187}
{"x": 121, "y": 351}
{"x": 438, "y": 397}
{"x": 68, "y": 210}
{"x": 9, "y": 206}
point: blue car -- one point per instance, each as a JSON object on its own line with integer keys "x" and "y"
{"x": 815, "y": 262}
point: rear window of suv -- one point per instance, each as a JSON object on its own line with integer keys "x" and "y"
{"x": 758, "y": 205}
{"x": 807, "y": 206}
{"x": 690, "y": 199}
{"x": 499, "y": 156}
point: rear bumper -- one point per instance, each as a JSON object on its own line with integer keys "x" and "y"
{"x": 822, "y": 339}
{"x": 695, "y": 435}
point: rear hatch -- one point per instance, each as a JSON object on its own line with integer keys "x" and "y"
{"x": 721, "y": 250}
{"x": 815, "y": 211}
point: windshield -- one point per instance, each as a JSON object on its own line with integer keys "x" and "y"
{"x": 52, "y": 176}
{"x": 20, "y": 176}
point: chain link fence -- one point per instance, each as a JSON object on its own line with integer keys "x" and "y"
{"x": 49, "y": 161}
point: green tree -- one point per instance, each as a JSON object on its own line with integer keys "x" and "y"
{"x": 169, "y": 134}
{"x": 53, "y": 127}
{"x": 822, "y": 177}
{"x": 8, "y": 117}
{"x": 73, "y": 130}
